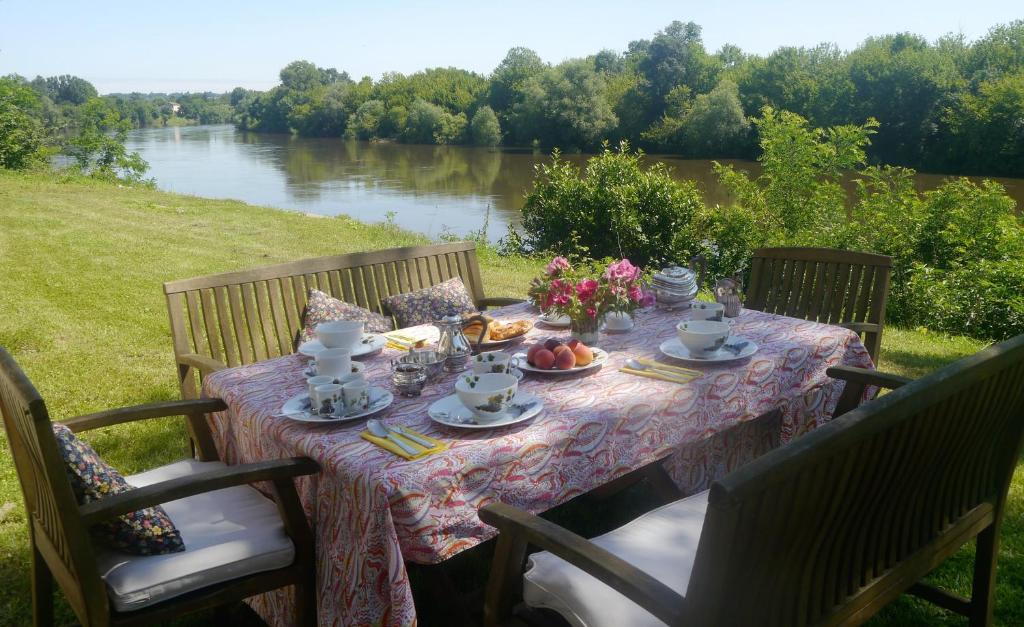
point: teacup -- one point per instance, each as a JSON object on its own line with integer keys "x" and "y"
{"x": 491, "y": 362}
{"x": 356, "y": 395}
{"x": 349, "y": 378}
{"x": 703, "y": 310}
{"x": 488, "y": 396}
{"x": 313, "y": 382}
{"x": 702, "y": 337}
{"x": 326, "y": 399}
{"x": 340, "y": 333}
{"x": 334, "y": 362}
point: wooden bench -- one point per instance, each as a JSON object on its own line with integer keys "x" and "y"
{"x": 243, "y": 317}
{"x": 823, "y": 531}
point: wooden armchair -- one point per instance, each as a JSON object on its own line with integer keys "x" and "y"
{"x": 106, "y": 587}
{"x": 242, "y": 317}
{"x": 838, "y": 287}
{"x": 823, "y": 531}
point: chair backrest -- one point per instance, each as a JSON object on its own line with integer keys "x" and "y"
{"x": 824, "y": 285}
{"x": 243, "y": 317}
{"x": 50, "y": 504}
{"x": 843, "y": 519}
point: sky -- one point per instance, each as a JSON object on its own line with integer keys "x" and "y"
{"x": 216, "y": 45}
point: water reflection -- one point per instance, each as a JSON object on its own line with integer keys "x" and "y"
{"x": 429, "y": 188}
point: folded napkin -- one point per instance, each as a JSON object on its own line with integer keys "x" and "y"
{"x": 404, "y": 340}
{"x": 388, "y": 445}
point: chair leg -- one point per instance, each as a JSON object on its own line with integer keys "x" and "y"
{"x": 305, "y": 603}
{"x": 42, "y": 591}
{"x": 984, "y": 588}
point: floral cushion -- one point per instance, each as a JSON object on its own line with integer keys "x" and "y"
{"x": 430, "y": 304}
{"x": 147, "y": 531}
{"x": 321, "y": 307}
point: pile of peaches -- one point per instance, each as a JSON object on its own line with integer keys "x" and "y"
{"x": 554, "y": 354}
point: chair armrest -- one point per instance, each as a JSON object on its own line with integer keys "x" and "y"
{"x": 862, "y": 327}
{"x": 867, "y": 377}
{"x": 516, "y": 526}
{"x": 173, "y": 489}
{"x": 144, "y": 412}
{"x": 204, "y": 364}
{"x": 498, "y": 301}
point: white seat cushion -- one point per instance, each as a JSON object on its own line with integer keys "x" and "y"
{"x": 662, "y": 543}
{"x": 228, "y": 533}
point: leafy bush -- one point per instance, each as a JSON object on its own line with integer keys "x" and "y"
{"x": 22, "y": 134}
{"x": 958, "y": 251}
{"x": 484, "y": 127}
{"x": 617, "y": 208}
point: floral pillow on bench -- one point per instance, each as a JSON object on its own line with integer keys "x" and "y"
{"x": 321, "y": 307}
{"x": 148, "y": 531}
{"x": 430, "y": 304}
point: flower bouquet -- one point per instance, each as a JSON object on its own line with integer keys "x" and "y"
{"x": 589, "y": 290}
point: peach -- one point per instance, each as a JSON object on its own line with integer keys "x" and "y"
{"x": 573, "y": 343}
{"x": 533, "y": 351}
{"x": 565, "y": 360}
{"x": 583, "y": 354}
{"x": 561, "y": 348}
{"x": 544, "y": 359}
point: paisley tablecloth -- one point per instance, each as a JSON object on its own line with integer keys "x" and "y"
{"x": 373, "y": 511}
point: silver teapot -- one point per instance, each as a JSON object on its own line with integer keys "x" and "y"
{"x": 453, "y": 346}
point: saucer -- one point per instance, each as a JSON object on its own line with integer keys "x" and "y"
{"x": 297, "y": 408}
{"x": 371, "y": 343}
{"x": 677, "y": 350}
{"x": 450, "y": 412}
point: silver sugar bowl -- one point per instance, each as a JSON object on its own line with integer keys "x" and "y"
{"x": 408, "y": 378}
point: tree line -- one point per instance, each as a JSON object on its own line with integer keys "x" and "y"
{"x": 951, "y": 105}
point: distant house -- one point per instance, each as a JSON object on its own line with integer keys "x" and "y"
{"x": 175, "y": 108}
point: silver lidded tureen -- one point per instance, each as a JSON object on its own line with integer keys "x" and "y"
{"x": 674, "y": 287}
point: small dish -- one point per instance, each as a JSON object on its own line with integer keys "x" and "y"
{"x": 371, "y": 343}
{"x": 552, "y": 320}
{"x": 450, "y": 412}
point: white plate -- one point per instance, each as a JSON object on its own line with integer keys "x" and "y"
{"x": 310, "y": 371}
{"x": 559, "y": 322}
{"x": 371, "y": 343}
{"x": 450, "y": 412}
{"x": 600, "y": 358}
{"x": 296, "y": 408}
{"x": 675, "y": 349}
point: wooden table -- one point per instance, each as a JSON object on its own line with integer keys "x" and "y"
{"x": 374, "y": 511}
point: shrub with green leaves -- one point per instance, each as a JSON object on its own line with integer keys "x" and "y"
{"x": 614, "y": 208}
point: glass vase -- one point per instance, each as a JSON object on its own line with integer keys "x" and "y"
{"x": 585, "y": 330}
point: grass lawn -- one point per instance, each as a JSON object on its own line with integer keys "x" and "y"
{"x": 82, "y": 311}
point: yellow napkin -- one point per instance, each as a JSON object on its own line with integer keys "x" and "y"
{"x": 388, "y": 445}
{"x": 661, "y": 376}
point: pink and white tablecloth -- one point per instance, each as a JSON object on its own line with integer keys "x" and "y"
{"x": 373, "y": 511}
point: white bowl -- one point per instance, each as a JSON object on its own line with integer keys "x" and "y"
{"x": 703, "y": 310}
{"x": 488, "y": 396}
{"x": 340, "y": 333}
{"x": 702, "y": 337}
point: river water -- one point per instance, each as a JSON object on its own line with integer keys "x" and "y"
{"x": 429, "y": 189}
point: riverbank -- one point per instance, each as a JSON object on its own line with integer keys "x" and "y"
{"x": 81, "y": 309}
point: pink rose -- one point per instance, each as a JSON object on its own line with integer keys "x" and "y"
{"x": 622, "y": 270}
{"x": 591, "y": 312}
{"x": 585, "y": 289}
{"x": 557, "y": 265}
{"x": 635, "y": 294}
